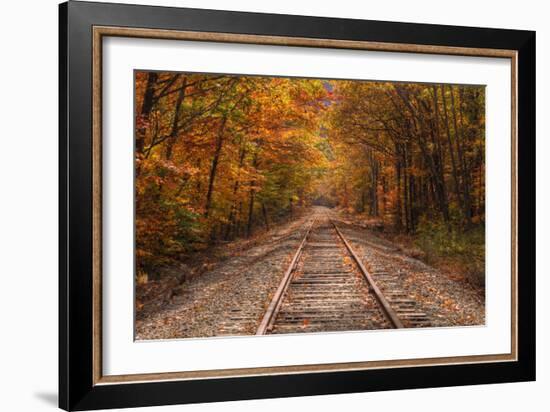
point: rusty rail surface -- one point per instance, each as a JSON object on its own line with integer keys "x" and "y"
{"x": 276, "y": 301}
{"x": 325, "y": 292}
{"x": 390, "y": 314}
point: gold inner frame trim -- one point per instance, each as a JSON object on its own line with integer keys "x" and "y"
{"x": 101, "y": 31}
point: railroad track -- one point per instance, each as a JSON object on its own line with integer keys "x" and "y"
{"x": 327, "y": 287}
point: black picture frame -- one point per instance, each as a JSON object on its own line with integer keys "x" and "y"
{"x": 77, "y": 390}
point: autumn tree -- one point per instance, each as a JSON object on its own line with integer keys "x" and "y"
{"x": 420, "y": 147}
{"x": 218, "y": 156}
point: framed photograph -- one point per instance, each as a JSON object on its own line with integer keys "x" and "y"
{"x": 256, "y": 205}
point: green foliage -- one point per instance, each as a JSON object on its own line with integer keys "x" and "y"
{"x": 465, "y": 248}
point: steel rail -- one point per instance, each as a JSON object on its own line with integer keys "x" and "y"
{"x": 275, "y": 304}
{"x": 388, "y": 311}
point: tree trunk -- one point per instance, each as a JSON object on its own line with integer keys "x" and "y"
{"x": 250, "y": 212}
{"x": 438, "y": 160}
{"x": 430, "y": 157}
{"x": 252, "y": 194}
{"x": 175, "y": 122}
{"x": 214, "y": 167}
{"x": 406, "y": 189}
{"x": 398, "y": 222}
{"x": 459, "y": 197}
{"x": 464, "y": 170}
{"x": 384, "y": 196}
{"x": 264, "y": 212}
{"x": 146, "y": 108}
{"x": 233, "y": 210}
{"x": 412, "y": 189}
{"x": 290, "y": 207}
{"x": 374, "y": 187}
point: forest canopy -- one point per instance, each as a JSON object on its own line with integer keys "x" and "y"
{"x": 219, "y": 157}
